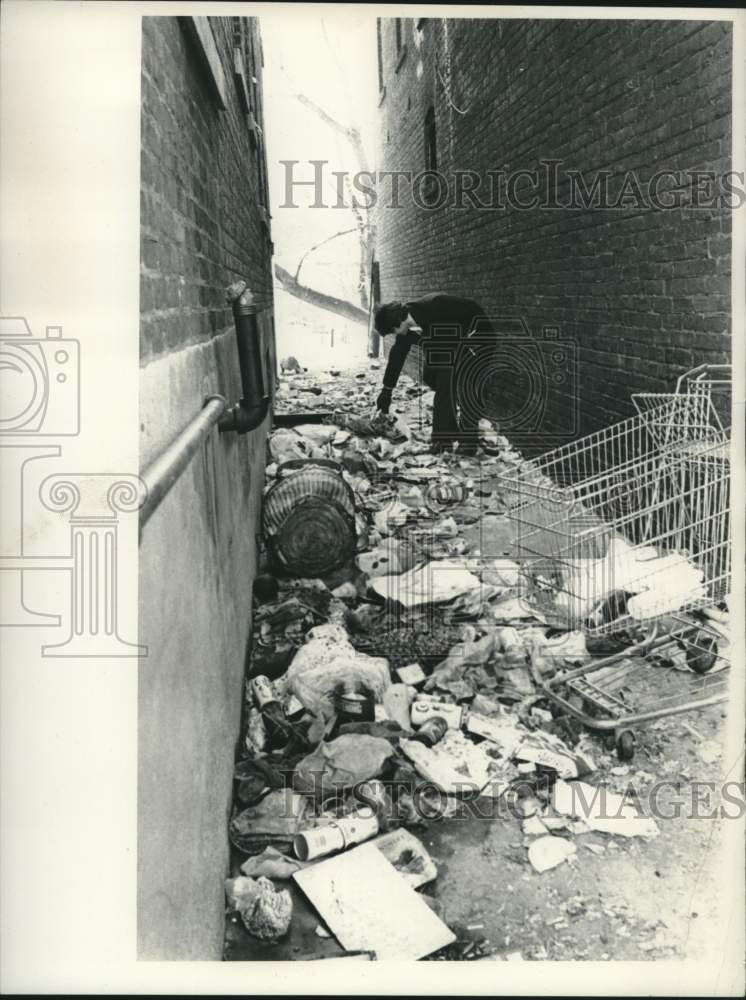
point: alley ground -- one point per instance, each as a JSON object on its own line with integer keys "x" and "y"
{"x": 617, "y": 898}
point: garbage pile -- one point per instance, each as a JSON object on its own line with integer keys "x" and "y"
{"x": 398, "y": 685}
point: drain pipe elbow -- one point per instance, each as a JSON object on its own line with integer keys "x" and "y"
{"x": 242, "y": 419}
{"x": 249, "y": 412}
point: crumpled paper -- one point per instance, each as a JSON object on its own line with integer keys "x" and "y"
{"x": 265, "y": 912}
{"x": 286, "y": 445}
{"x": 434, "y": 583}
{"x": 662, "y": 583}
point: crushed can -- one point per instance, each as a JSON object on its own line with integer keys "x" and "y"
{"x": 432, "y": 731}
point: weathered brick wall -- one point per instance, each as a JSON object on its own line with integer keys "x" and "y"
{"x": 201, "y": 230}
{"x": 201, "y": 188}
{"x": 642, "y": 293}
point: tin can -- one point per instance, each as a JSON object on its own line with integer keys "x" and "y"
{"x": 353, "y": 829}
{"x": 261, "y": 689}
{"x": 432, "y": 731}
{"x": 354, "y": 702}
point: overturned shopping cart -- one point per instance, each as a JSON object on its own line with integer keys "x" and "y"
{"x": 626, "y": 533}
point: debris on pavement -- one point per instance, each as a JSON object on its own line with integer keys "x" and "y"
{"x": 271, "y": 863}
{"x": 367, "y": 904}
{"x": 401, "y": 669}
{"x": 548, "y": 852}
{"x": 266, "y": 913}
{"x": 601, "y": 810}
{"x": 335, "y": 835}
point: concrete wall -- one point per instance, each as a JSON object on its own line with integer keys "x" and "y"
{"x": 202, "y": 228}
{"x": 640, "y": 293}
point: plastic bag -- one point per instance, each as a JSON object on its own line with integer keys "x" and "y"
{"x": 328, "y": 658}
{"x": 340, "y": 764}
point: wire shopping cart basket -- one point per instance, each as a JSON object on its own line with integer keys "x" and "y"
{"x": 626, "y": 532}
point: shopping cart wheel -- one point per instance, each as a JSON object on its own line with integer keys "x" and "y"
{"x": 625, "y": 744}
{"x": 702, "y": 654}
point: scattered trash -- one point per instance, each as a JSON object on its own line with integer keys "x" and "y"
{"x": 434, "y": 583}
{"x": 454, "y": 765}
{"x": 399, "y": 669}
{"x": 291, "y": 364}
{"x": 548, "y": 852}
{"x": 266, "y": 913}
{"x": 308, "y": 518}
{"x": 397, "y": 700}
{"x": 549, "y": 752}
{"x": 408, "y": 855}
{"x": 272, "y": 864}
{"x": 340, "y": 764}
{"x": 335, "y": 836}
{"x": 354, "y": 701}
{"x": 424, "y": 709}
{"x": 413, "y": 675}
{"x": 533, "y": 827}
{"x": 432, "y": 731}
{"x": 272, "y": 822}
{"x": 601, "y": 810}
{"x": 327, "y": 659}
{"x": 368, "y": 905}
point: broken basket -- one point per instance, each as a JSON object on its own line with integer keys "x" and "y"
{"x": 309, "y": 518}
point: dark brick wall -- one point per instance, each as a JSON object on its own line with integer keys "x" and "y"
{"x": 642, "y": 293}
{"x": 201, "y": 190}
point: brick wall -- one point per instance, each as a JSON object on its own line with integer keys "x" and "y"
{"x": 201, "y": 190}
{"x": 201, "y": 220}
{"x": 641, "y": 293}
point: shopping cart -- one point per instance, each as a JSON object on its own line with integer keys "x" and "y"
{"x": 627, "y": 533}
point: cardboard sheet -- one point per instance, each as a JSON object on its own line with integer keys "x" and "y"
{"x": 369, "y": 906}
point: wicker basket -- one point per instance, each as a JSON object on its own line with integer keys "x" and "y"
{"x": 309, "y": 518}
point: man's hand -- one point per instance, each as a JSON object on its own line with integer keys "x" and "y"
{"x": 384, "y": 400}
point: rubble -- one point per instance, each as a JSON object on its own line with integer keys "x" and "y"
{"x": 428, "y": 630}
{"x": 548, "y": 852}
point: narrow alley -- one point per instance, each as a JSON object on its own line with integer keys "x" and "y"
{"x": 436, "y": 397}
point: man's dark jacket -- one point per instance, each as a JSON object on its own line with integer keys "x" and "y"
{"x": 429, "y": 312}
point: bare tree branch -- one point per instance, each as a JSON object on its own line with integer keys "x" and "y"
{"x": 350, "y": 133}
{"x": 344, "y": 232}
{"x": 329, "y": 302}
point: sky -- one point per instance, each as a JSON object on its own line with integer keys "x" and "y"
{"x": 331, "y": 60}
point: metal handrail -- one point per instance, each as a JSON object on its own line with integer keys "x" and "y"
{"x": 165, "y": 470}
